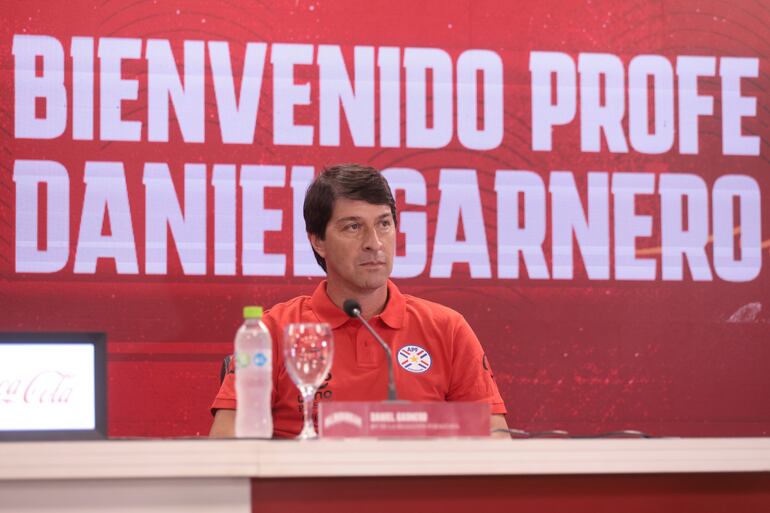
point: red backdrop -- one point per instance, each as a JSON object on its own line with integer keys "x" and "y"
{"x": 587, "y": 354}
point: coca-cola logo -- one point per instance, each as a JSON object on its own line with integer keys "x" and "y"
{"x": 47, "y": 387}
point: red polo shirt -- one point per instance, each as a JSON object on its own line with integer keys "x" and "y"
{"x": 437, "y": 357}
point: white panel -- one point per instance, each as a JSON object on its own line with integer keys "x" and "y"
{"x": 46, "y": 386}
{"x": 225, "y": 495}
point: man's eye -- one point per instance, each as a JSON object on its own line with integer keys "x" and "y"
{"x": 352, "y": 227}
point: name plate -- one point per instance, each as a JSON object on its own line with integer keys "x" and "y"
{"x": 402, "y": 419}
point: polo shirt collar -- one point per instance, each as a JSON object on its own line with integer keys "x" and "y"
{"x": 328, "y": 312}
{"x": 395, "y": 309}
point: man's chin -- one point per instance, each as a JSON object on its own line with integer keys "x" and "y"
{"x": 374, "y": 280}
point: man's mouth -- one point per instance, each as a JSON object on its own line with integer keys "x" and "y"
{"x": 374, "y": 263}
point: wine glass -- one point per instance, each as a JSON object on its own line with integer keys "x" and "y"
{"x": 308, "y": 350}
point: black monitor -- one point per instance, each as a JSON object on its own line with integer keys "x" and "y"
{"x": 53, "y": 386}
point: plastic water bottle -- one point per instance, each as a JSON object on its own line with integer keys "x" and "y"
{"x": 253, "y": 376}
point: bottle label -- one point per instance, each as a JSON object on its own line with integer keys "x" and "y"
{"x": 242, "y": 359}
{"x": 260, "y": 360}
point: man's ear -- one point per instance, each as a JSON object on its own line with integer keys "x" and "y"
{"x": 317, "y": 243}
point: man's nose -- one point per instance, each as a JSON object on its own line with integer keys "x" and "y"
{"x": 371, "y": 241}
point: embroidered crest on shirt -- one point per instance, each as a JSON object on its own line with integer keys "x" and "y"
{"x": 414, "y": 359}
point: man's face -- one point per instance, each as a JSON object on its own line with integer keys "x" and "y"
{"x": 359, "y": 245}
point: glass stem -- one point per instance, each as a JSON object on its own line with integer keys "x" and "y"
{"x": 307, "y": 404}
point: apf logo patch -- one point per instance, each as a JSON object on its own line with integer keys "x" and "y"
{"x": 414, "y": 359}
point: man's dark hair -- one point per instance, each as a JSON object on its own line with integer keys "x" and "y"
{"x": 350, "y": 181}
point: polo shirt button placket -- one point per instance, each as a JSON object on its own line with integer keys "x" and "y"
{"x": 366, "y": 349}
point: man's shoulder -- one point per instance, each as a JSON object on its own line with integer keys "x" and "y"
{"x": 288, "y": 308}
{"x": 426, "y": 308}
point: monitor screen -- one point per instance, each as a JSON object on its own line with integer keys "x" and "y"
{"x": 52, "y": 386}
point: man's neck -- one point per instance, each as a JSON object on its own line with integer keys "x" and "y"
{"x": 372, "y": 301}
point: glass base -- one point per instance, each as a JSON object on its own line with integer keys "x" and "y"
{"x": 307, "y": 434}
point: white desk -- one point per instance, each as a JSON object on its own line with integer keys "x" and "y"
{"x": 216, "y": 475}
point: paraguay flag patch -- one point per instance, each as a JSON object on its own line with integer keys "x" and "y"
{"x": 414, "y": 359}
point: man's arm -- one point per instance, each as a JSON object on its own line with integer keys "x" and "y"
{"x": 498, "y": 422}
{"x": 472, "y": 378}
{"x": 224, "y": 424}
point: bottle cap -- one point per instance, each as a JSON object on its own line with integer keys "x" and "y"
{"x": 252, "y": 312}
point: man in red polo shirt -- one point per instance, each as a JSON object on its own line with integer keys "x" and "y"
{"x": 350, "y": 218}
